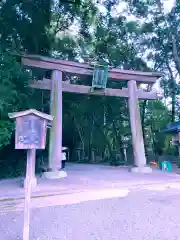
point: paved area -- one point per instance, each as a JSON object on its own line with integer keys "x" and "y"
{"x": 17, "y": 205}
{"x": 151, "y": 214}
{"x": 82, "y": 177}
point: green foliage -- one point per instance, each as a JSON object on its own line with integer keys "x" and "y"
{"x": 6, "y": 128}
{"x": 12, "y": 93}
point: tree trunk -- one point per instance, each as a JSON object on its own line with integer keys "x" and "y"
{"x": 175, "y": 54}
{"x": 119, "y": 141}
{"x": 143, "y": 126}
{"x": 143, "y": 113}
{"x": 153, "y": 145}
{"x": 173, "y": 92}
{"x": 91, "y": 126}
{"x": 106, "y": 140}
{"x": 173, "y": 99}
{"x": 118, "y": 137}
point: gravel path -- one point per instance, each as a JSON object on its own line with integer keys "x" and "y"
{"x": 145, "y": 214}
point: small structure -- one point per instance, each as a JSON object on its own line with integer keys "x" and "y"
{"x": 174, "y": 130}
{"x": 31, "y": 127}
{"x": 100, "y": 76}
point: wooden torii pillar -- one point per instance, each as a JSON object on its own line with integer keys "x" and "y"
{"x": 56, "y": 85}
{"x": 136, "y": 129}
{"x": 55, "y": 143}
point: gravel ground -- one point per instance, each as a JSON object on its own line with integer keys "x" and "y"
{"x": 146, "y": 215}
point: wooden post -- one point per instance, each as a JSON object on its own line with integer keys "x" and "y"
{"x": 136, "y": 129}
{"x": 33, "y": 177}
{"x": 55, "y": 144}
{"x": 28, "y": 189}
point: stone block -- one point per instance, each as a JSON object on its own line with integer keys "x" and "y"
{"x": 54, "y": 174}
{"x": 144, "y": 169}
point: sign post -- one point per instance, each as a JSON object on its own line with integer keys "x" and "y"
{"x": 28, "y": 189}
{"x": 31, "y": 127}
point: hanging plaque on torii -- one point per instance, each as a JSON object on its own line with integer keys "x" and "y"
{"x": 100, "y": 75}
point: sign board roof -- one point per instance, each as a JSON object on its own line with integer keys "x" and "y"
{"x": 31, "y": 111}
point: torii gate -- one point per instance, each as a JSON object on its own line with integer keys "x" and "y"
{"x": 56, "y": 85}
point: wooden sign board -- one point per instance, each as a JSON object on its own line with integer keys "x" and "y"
{"x": 31, "y": 128}
{"x": 30, "y": 132}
